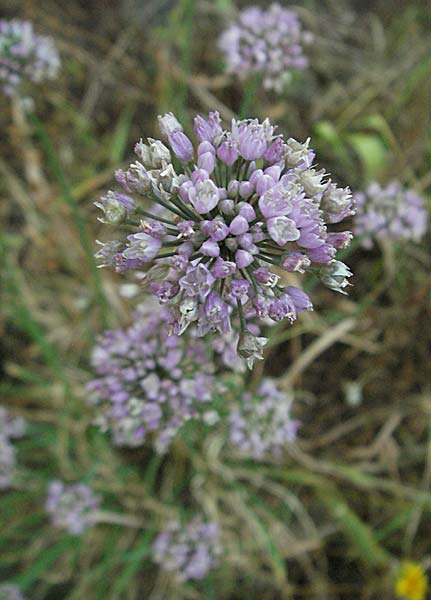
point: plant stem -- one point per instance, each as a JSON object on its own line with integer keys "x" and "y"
{"x": 69, "y": 199}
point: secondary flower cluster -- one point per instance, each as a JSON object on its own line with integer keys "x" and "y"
{"x": 268, "y": 42}
{"x": 389, "y": 212}
{"x": 10, "y": 428}
{"x": 148, "y": 382}
{"x": 25, "y": 56}
{"x": 261, "y": 425}
{"x": 9, "y": 591}
{"x": 188, "y": 551}
{"x": 71, "y": 506}
{"x": 244, "y": 204}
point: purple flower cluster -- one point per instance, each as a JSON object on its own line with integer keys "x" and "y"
{"x": 389, "y": 212}
{"x": 149, "y": 384}
{"x": 10, "y": 428}
{"x": 9, "y": 591}
{"x": 25, "y": 56}
{"x": 71, "y": 506}
{"x": 245, "y": 204}
{"x": 188, "y": 551}
{"x": 268, "y": 42}
{"x": 261, "y": 424}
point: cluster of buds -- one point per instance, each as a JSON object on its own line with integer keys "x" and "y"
{"x": 261, "y": 425}
{"x": 9, "y": 591}
{"x": 214, "y": 237}
{"x": 11, "y": 428}
{"x": 390, "y": 212}
{"x": 71, "y": 506}
{"x": 25, "y": 56}
{"x": 149, "y": 384}
{"x": 267, "y": 42}
{"x": 189, "y": 552}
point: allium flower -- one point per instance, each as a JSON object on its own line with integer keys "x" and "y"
{"x": 9, "y": 591}
{"x": 188, "y": 551}
{"x": 10, "y": 428}
{"x": 245, "y": 204}
{"x": 71, "y": 506}
{"x": 25, "y": 56}
{"x": 149, "y": 384}
{"x": 7, "y": 462}
{"x": 265, "y": 41}
{"x": 389, "y": 212}
{"x": 261, "y": 425}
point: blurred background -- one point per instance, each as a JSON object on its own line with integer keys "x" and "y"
{"x": 352, "y": 498}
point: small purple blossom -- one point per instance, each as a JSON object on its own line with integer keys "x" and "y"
{"x": 188, "y": 551}
{"x": 181, "y": 146}
{"x": 389, "y": 212}
{"x": 261, "y": 425}
{"x": 25, "y": 56}
{"x": 268, "y": 42}
{"x": 71, "y": 506}
{"x": 216, "y": 234}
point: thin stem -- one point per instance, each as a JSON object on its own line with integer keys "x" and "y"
{"x": 249, "y": 97}
{"x": 166, "y": 255}
{"x": 173, "y": 209}
{"x": 140, "y": 211}
{"x": 188, "y": 7}
{"x": 242, "y": 321}
{"x": 269, "y": 260}
{"x": 71, "y": 202}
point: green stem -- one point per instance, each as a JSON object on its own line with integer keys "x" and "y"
{"x": 188, "y": 7}
{"x": 249, "y": 97}
{"x": 69, "y": 199}
{"x": 242, "y": 321}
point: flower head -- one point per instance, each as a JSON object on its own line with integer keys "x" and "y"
{"x": 71, "y": 506}
{"x": 412, "y": 583}
{"x": 9, "y": 591}
{"x": 261, "y": 425}
{"x": 25, "y": 56}
{"x": 389, "y": 212}
{"x": 188, "y": 551}
{"x": 10, "y": 428}
{"x": 267, "y": 41}
{"x": 150, "y": 383}
{"x": 245, "y": 205}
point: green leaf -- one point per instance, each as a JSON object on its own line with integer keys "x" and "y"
{"x": 48, "y": 556}
{"x": 121, "y": 134}
{"x": 371, "y": 151}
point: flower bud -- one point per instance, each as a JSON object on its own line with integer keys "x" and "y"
{"x": 334, "y": 276}
{"x": 250, "y": 347}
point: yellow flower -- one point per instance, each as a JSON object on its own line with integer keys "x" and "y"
{"x": 412, "y": 583}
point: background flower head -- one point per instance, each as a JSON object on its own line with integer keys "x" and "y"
{"x": 189, "y": 551}
{"x": 411, "y": 583}
{"x": 267, "y": 41}
{"x": 25, "y": 56}
{"x": 261, "y": 425}
{"x": 150, "y": 383}
{"x": 71, "y": 506}
{"x": 390, "y": 211}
